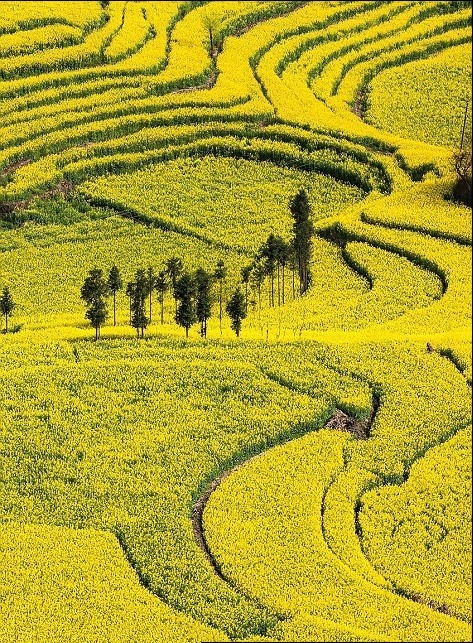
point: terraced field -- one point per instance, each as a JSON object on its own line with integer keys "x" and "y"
{"x": 309, "y": 480}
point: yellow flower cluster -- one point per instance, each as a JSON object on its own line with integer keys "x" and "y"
{"x": 76, "y": 585}
{"x": 146, "y": 132}
{"x": 134, "y": 31}
{"x": 180, "y": 194}
{"x": 396, "y": 98}
{"x": 17, "y": 16}
{"x": 106, "y": 446}
{"x": 25, "y": 42}
{"x": 165, "y": 426}
{"x": 284, "y": 545}
{"x": 80, "y": 55}
{"x": 418, "y": 535}
{"x": 288, "y": 67}
{"x": 267, "y": 536}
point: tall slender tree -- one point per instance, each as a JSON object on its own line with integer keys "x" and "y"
{"x": 161, "y": 286}
{"x": 185, "y": 293}
{"x": 220, "y": 275}
{"x": 129, "y": 294}
{"x": 203, "y": 298}
{"x": 212, "y": 24}
{"x": 303, "y": 231}
{"x": 139, "y": 293}
{"x": 7, "y": 305}
{"x": 174, "y": 270}
{"x": 258, "y": 276}
{"x": 151, "y": 281}
{"x": 115, "y": 284}
{"x": 245, "y": 278}
{"x": 236, "y": 310}
{"x": 294, "y": 266}
{"x": 268, "y": 251}
{"x": 280, "y": 251}
{"x": 283, "y": 256}
{"x": 94, "y": 292}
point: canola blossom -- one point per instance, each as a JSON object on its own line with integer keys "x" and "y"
{"x": 310, "y": 479}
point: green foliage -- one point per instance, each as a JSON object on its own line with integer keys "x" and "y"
{"x": 138, "y": 291}
{"x": 7, "y": 305}
{"x": 236, "y": 309}
{"x": 203, "y": 298}
{"x": 94, "y": 291}
{"x": 161, "y": 285}
{"x": 114, "y": 283}
{"x": 185, "y": 292}
{"x": 302, "y": 239}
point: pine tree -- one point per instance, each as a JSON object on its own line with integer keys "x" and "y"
{"x": 293, "y": 265}
{"x": 139, "y": 293}
{"x": 268, "y": 251}
{"x": 94, "y": 291}
{"x": 220, "y": 274}
{"x": 203, "y": 303}
{"x": 96, "y": 313}
{"x": 186, "y": 314}
{"x": 129, "y": 294}
{"x": 236, "y": 310}
{"x": 281, "y": 253}
{"x": 283, "y": 256}
{"x": 115, "y": 284}
{"x": 161, "y": 286}
{"x": 302, "y": 242}
{"x": 174, "y": 270}
{"x": 151, "y": 280}
{"x": 245, "y": 278}
{"x": 258, "y": 276}
{"x": 7, "y": 305}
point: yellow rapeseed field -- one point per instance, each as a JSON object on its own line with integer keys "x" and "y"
{"x": 308, "y": 479}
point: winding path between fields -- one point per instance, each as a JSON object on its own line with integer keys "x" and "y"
{"x": 338, "y": 421}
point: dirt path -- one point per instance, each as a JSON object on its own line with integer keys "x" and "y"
{"x": 13, "y": 167}
{"x": 64, "y": 187}
{"x": 339, "y": 421}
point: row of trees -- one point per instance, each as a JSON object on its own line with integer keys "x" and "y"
{"x": 194, "y": 292}
{"x": 276, "y": 254}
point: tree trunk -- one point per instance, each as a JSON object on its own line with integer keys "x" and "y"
{"x": 114, "y": 308}
{"x": 6, "y": 322}
{"x": 293, "y": 282}
{"x": 96, "y": 333}
{"x": 187, "y": 331}
{"x": 150, "y": 304}
{"x": 283, "y": 272}
{"x": 302, "y": 276}
{"x": 279, "y": 287}
{"x": 221, "y": 297}
{"x": 162, "y": 310}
